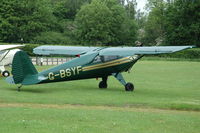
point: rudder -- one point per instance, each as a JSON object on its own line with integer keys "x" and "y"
{"x": 22, "y": 67}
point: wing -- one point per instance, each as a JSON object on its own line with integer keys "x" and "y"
{"x": 122, "y": 51}
{"x": 62, "y": 50}
{"x": 8, "y": 47}
{"x": 126, "y": 51}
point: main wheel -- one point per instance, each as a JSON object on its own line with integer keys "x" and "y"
{"x": 102, "y": 84}
{"x": 5, "y": 73}
{"x": 129, "y": 87}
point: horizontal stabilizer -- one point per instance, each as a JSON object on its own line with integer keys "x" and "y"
{"x": 33, "y": 79}
{"x": 10, "y": 80}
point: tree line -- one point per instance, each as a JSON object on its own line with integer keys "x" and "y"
{"x": 100, "y": 22}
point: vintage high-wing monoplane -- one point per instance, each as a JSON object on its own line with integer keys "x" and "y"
{"x": 91, "y": 62}
{"x": 7, "y": 53}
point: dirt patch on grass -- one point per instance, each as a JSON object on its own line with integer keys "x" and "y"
{"x": 88, "y": 107}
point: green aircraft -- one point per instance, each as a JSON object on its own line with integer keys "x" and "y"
{"x": 91, "y": 62}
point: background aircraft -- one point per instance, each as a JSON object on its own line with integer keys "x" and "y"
{"x": 91, "y": 62}
{"x": 7, "y": 53}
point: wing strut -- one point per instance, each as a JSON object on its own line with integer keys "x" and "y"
{"x": 4, "y": 56}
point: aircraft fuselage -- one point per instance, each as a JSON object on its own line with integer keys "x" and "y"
{"x": 85, "y": 68}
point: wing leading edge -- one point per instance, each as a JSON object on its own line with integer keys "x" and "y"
{"x": 62, "y": 50}
{"x": 126, "y": 51}
{"x": 8, "y": 47}
{"x": 112, "y": 51}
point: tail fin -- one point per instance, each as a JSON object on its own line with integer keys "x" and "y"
{"x": 22, "y": 67}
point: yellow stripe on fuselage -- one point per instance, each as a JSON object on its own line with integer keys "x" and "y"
{"x": 107, "y": 64}
{"x": 110, "y": 62}
{"x": 115, "y": 64}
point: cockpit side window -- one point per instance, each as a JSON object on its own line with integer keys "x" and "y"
{"x": 109, "y": 58}
{"x": 99, "y": 59}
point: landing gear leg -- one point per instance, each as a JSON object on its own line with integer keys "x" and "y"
{"x": 103, "y": 83}
{"x": 128, "y": 86}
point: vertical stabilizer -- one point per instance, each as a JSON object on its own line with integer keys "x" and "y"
{"x": 22, "y": 67}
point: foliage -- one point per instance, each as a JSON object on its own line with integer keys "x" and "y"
{"x": 51, "y": 38}
{"x": 22, "y": 20}
{"x": 100, "y": 22}
{"x": 173, "y": 22}
{"x": 104, "y": 22}
{"x": 29, "y": 48}
{"x": 67, "y": 9}
{"x": 154, "y": 27}
{"x": 50, "y": 22}
{"x": 93, "y": 24}
{"x": 130, "y": 8}
{"x": 183, "y": 23}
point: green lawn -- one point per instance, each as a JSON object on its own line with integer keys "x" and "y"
{"x": 68, "y": 120}
{"x": 163, "y": 89}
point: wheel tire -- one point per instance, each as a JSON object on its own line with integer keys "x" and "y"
{"x": 5, "y": 73}
{"x": 129, "y": 87}
{"x": 103, "y": 84}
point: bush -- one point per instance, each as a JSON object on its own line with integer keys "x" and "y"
{"x": 52, "y": 38}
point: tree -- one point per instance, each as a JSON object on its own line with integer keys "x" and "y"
{"x": 183, "y": 23}
{"x": 154, "y": 27}
{"x": 141, "y": 19}
{"x": 130, "y": 8}
{"x": 104, "y": 22}
{"x": 52, "y": 38}
{"x": 67, "y": 9}
{"x": 93, "y": 23}
{"x": 23, "y": 20}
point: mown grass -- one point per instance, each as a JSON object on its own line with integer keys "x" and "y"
{"x": 51, "y": 120}
{"x": 158, "y": 84}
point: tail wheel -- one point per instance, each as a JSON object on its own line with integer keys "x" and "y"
{"x": 129, "y": 87}
{"x": 103, "y": 84}
{"x": 5, "y": 73}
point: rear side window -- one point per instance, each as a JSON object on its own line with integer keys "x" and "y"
{"x": 108, "y": 58}
{"x": 100, "y": 59}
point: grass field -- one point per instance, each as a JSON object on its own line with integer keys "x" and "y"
{"x": 166, "y": 99}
